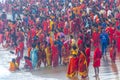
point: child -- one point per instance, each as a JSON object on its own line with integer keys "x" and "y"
{"x": 13, "y": 65}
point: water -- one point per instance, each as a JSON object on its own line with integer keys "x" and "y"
{"x": 5, "y": 74}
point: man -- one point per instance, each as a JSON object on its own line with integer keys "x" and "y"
{"x": 104, "y": 40}
{"x": 59, "y": 45}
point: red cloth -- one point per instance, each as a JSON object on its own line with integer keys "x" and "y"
{"x": 95, "y": 37}
{"x": 87, "y": 51}
{"x": 45, "y": 25}
{"x": 41, "y": 37}
{"x": 31, "y": 22}
{"x": 28, "y": 63}
{"x": 80, "y": 44}
{"x": 66, "y": 31}
{"x": 1, "y": 38}
{"x": 21, "y": 47}
{"x": 54, "y": 55}
{"x": 117, "y": 23}
{"x": 82, "y": 65}
{"x": 112, "y": 54}
{"x": 73, "y": 26}
{"x": 67, "y": 48}
{"x": 61, "y": 24}
{"x": 33, "y": 32}
{"x": 72, "y": 67}
{"x": 97, "y": 57}
{"x": 29, "y": 41}
{"x": 111, "y": 31}
{"x": 117, "y": 38}
{"x": 17, "y": 50}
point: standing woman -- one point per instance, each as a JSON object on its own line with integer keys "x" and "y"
{"x": 72, "y": 71}
{"x": 104, "y": 40}
{"x": 48, "y": 55}
{"x": 83, "y": 68}
{"x": 96, "y": 60}
{"x": 54, "y": 55}
{"x": 87, "y": 52}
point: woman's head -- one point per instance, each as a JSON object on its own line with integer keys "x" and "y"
{"x": 74, "y": 47}
{"x": 13, "y": 60}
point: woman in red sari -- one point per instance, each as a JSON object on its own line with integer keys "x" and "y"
{"x": 72, "y": 71}
{"x": 54, "y": 55}
{"x": 83, "y": 68}
{"x": 96, "y": 60}
{"x": 87, "y": 52}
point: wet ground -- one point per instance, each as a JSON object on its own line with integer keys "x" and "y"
{"x": 108, "y": 71}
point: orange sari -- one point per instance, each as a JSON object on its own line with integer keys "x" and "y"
{"x": 83, "y": 69}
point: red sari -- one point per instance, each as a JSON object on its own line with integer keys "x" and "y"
{"x": 45, "y": 26}
{"x": 72, "y": 67}
{"x": 97, "y": 57}
{"x": 54, "y": 55}
{"x": 111, "y": 31}
{"x": 83, "y": 69}
{"x": 87, "y": 51}
{"x": 80, "y": 44}
{"x": 95, "y": 37}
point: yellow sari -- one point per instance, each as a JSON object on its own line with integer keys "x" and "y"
{"x": 48, "y": 56}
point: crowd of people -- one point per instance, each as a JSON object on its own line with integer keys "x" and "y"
{"x": 61, "y": 32}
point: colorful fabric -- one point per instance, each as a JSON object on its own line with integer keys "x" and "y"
{"x": 83, "y": 68}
